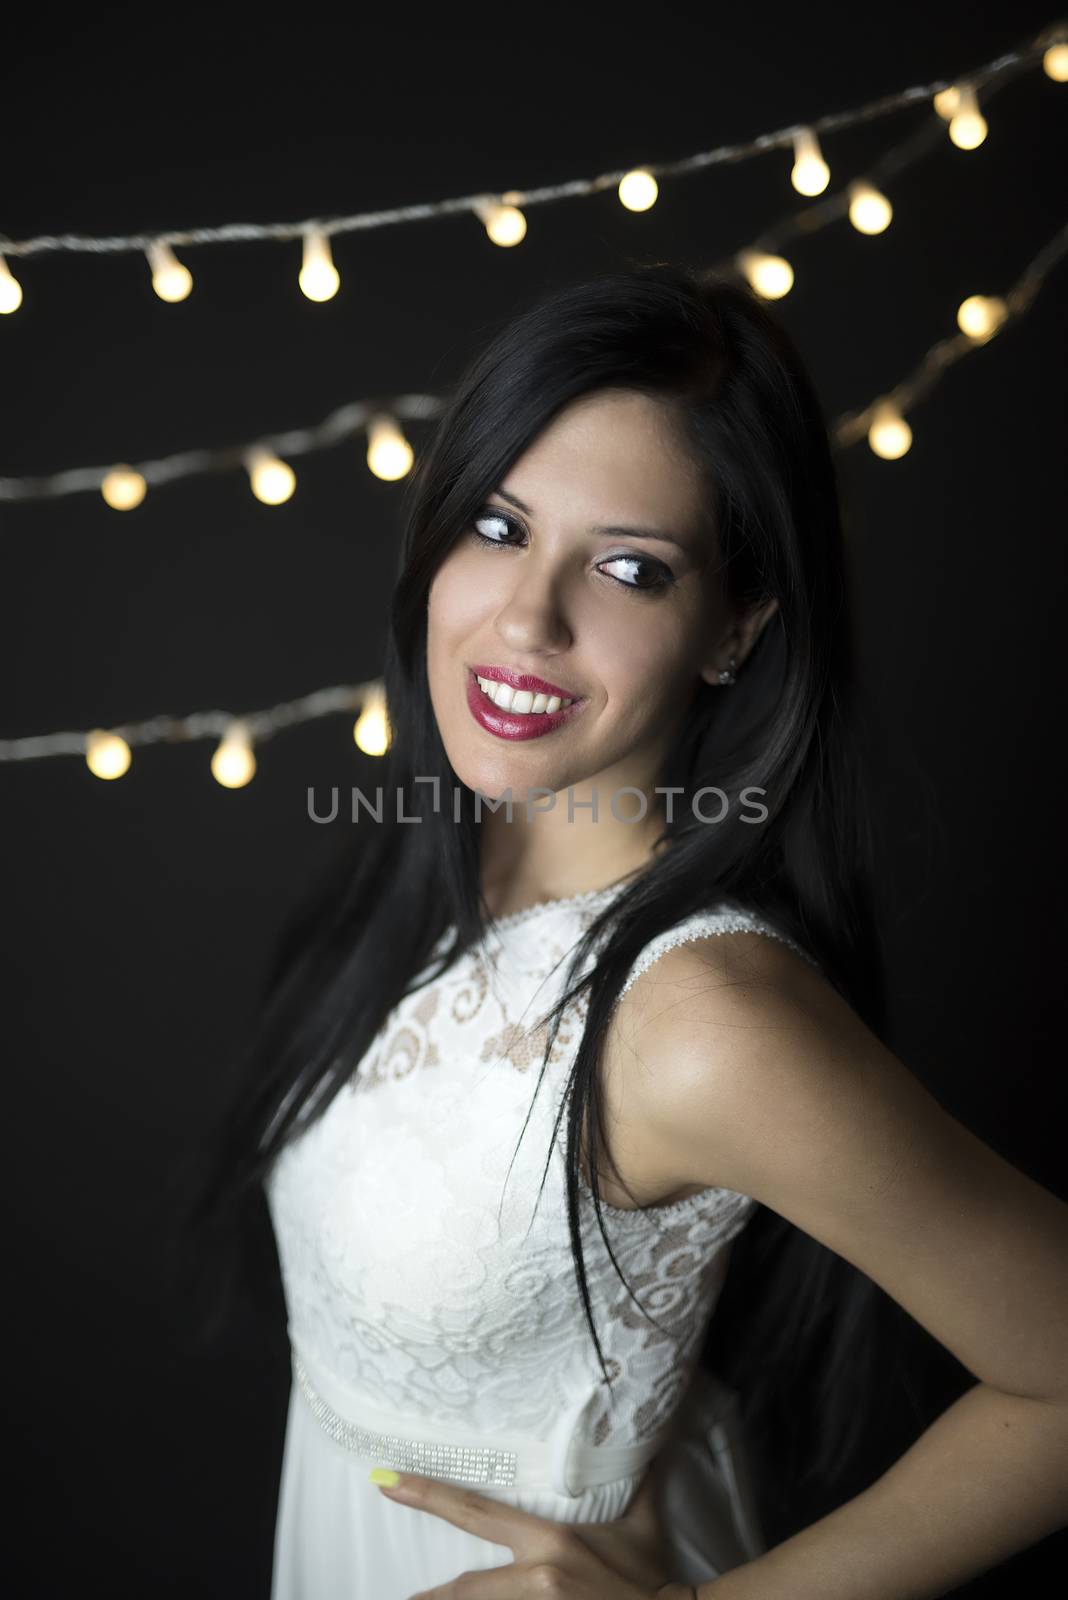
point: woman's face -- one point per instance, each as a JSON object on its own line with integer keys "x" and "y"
{"x": 625, "y": 624}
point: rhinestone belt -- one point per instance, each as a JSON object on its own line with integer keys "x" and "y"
{"x": 463, "y": 1463}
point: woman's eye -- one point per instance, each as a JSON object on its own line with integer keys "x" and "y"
{"x": 640, "y": 574}
{"x": 657, "y": 576}
{"x": 491, "y": 516}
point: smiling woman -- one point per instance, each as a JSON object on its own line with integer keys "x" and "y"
{"x": 532, "y": 1080}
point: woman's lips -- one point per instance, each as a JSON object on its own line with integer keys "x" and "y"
{"x": 511, "y": 724}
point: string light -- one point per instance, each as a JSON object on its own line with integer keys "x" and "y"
{"x": 233, "y": 763}
{"x": 869, "y": 211}
{"x": 967, "y": 125}
{"x": 107, "y": 755}
{"x": 318, "y": 277}
{"x": 946, "y": 102}
{"x": 810, "y": 173}
{"x": 883, "y": 422}
{"x": 123, "y": 488}
{"x": 108, "y": 749}
{"x": 770, "y": 276}
{"x": 980, "y": 316}
{"x": 10, "y": 289}
{"x": 1050, "y": 46}
{"x": 504, "y": 222}
{"x": 638, "y": 189}
{"x": 170, "y": 279}
{"x": 889, "y": 434}
{"x": 272, "y": 479}
{"x": 389, "y": 455}
{"x": 371, "y": 732}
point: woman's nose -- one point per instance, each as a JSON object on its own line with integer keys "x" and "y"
{"x": 534, "y": 615}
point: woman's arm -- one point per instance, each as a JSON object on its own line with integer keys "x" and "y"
{"x": 733, "y": 1054}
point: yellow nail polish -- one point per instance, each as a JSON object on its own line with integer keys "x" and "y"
{"x": 385, "y": 1476}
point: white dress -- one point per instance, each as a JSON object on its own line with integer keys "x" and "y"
{"x": 433, "y": 1312}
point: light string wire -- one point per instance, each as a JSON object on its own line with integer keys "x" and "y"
{"x": 349, "y": 419}
{"x": 832, "y": 122}
{"x": 261, "y": 725}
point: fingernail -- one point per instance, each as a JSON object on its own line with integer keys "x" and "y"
{"x": 385, "y": 1476}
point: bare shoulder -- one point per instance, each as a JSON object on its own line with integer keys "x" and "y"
{"x": 731, "y": 1048}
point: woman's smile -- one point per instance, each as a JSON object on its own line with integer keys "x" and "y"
{"x": 522, "y": 721}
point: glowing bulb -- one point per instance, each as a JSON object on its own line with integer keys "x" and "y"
{"x": 810, "y": 173}
{"x": 980, "y": 316}
{"x": 107, "y": 755}
{"x": 889, "y": 435}
{"x": 170, "y": 279}
{"x": 372, "y": 731}
{"x": 389, "y": 455}
{"x": 946, "y": 102}
{"x": 638, "y": 189}
{"x": 123, "y": 488}
{"x": 233, "y": 763}
{"x": 318, "y": 277}
{"x": 1055, "y": 63}
{"x": 273, "y": 481}
{"x": 967, "y": 126}
{"x": 869, "y": 211}
{"x": 505, "y": 224}
{"x": 770, "y": 276}
{"x": 10, "y": 288}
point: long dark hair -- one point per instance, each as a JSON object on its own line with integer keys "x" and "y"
{"x": 799, "y": 1345}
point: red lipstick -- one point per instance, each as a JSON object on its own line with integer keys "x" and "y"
{"x": 510, "y": 724}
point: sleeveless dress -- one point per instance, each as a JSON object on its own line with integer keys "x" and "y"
{"x": 433, "y": 1313}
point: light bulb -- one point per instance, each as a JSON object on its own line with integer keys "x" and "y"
{"x": 810, "y": 173}
{"x": 980, "y": 316}
{"x": 372, "y": 732}
{"x": 505, "y": 224}
{"x": 233, "y": 763}
{"x": 946, "y": 102}
{"x": 389, "y": 455}
{"x": 170, "y": 279}
{"x": 273, "y": 481}
{"x": 967, "y": 126}
{"x": 889, "y": 435}
{"x": 770, "y": 276}
{"x": 107, "y": 755}
{"x": 1055, "y": 63}
{"x": 869, "y": 210}
{"x": 318, "y": 277}
{"x": 123, "y": 488}
{"x": 638, "y": 189}
{"x": 10, "y": 288}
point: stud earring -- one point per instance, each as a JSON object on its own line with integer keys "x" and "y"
{"x": 729, "y": 675}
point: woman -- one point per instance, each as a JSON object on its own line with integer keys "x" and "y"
{"x": 600, "y": 985}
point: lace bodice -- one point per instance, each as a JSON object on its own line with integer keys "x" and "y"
{"x": 431, "y": 1279}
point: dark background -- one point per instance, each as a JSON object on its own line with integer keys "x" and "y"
{"x": 141, "y": 913}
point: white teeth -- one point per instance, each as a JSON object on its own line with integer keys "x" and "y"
{"x": 521, "y": 701}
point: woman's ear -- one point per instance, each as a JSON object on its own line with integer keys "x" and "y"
{"x": 735, "y": 645}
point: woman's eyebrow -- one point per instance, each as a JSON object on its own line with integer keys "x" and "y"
{"x": 612, "y": 530}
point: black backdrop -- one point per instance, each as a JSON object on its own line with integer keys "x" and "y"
{"x": 140, "y": 914}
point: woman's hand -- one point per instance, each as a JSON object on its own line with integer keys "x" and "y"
{"x": 621, "y": 1560}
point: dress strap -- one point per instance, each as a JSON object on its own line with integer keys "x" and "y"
{"x": 728, "y": 918}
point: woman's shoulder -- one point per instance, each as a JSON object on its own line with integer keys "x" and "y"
{"x": 718, "y": 939}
